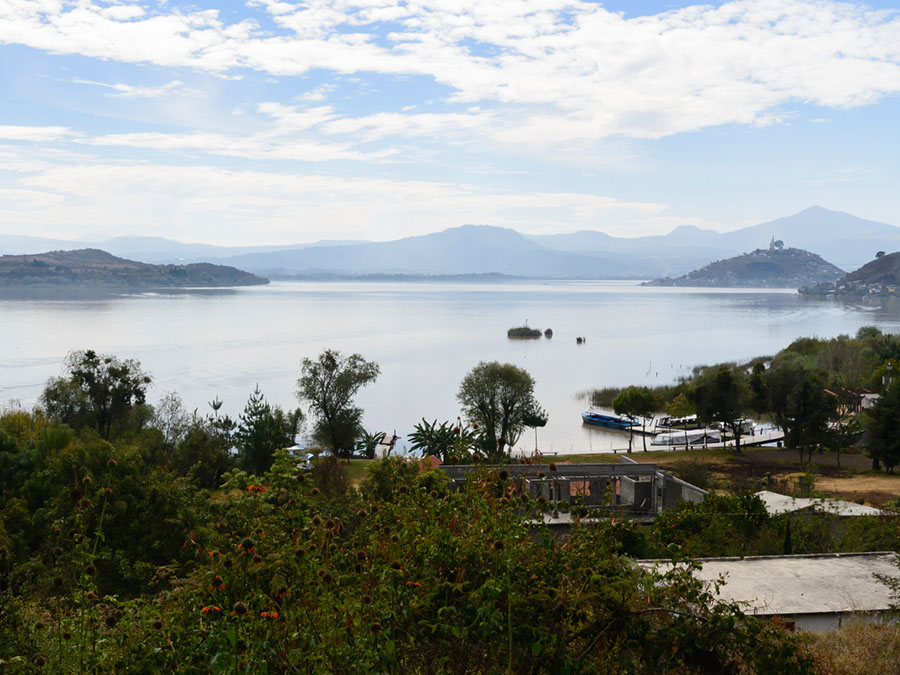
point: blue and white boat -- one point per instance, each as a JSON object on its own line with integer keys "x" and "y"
{"x": 668, "y": 423}
{"x": 596, "y": 419}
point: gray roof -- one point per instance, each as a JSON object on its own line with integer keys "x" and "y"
{"x": 801, "y": 584}
{"x": 777, "y": 503}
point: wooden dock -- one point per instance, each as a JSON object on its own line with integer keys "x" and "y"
{"x": 747, "y": 441}
{"x": 767, "y": 437}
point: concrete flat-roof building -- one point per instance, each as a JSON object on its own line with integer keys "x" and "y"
{"x": 814, "y": 592}
{"x": 777, "y": 504}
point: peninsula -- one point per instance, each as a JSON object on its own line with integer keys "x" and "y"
{"x": 774, "y": 267}
{"x": 877, "y": 277}
{"x": 98, "y": 269}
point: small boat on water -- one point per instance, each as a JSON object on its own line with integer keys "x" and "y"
{"x": 596, "y": 419}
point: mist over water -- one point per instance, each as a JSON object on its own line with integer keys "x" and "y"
{"x": 425, "y": 336}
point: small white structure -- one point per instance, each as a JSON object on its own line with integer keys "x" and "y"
{"x": 814, "y": 592}
{"x": 777, "y": 504}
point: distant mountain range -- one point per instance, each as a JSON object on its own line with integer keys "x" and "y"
{"x": 773, "y": 267}
{"x": 95, "y": 268}
{"x": 840, "y": 237}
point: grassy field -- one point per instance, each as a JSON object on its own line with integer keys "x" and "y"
{"x": 356, "y": 470}
{"x": 856, "y": 649}
{"x": 769, "y": 468}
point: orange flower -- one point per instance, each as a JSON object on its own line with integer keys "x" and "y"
{"x": 269, "y": 615}
{"x": 256, "y": 488}
{"x": 210, "y": 609}
{"x": 413, "y": 584}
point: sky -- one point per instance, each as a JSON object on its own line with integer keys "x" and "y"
{"x": 277, "y": 122}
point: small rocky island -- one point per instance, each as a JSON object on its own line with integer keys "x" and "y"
{"x": 94, "y": 268}
{"x": 878, "y": 277}
{"x": 774, "y": 267}
{"x": 525, "y": 333}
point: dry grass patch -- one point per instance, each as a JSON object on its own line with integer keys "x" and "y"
{"x": 874, "y": 488}
{"x": 857, "y": 648}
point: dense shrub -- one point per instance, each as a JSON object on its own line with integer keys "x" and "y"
{"x": 401, "y": 577}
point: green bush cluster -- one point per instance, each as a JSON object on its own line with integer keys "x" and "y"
{"x": 125, "y": 567}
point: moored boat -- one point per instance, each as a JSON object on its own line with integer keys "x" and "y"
{"x": 667, "y": 422}
{"x": 687, "y": 438}
{"x": 596, "y": 419}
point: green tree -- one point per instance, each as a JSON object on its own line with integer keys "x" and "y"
{"x": 681, "y": 406}
{"x": 535, "y": 417}
{"x": 497, "y": 396}
{"x": 884, "y": 441}
{"x": 796, "y": 397}
{"x": 261, "y": 431}
{"x": 328, "y": 384}
{"x": 722, "y": 394}
{"x": 100, "y": 390}
{"x": 637, "y": 402}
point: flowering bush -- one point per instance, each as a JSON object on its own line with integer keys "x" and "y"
{"x": 401, "y": 576}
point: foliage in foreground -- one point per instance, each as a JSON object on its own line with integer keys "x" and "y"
{"x": 402, "y": 576}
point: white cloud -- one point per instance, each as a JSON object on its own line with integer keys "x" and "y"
{"x": 212, "y": 204}
{"x": 254, "y": 146}
{"x": 37, "y": 134}
{"x": 549, "y": 70}
{"x": 132, "y": 91}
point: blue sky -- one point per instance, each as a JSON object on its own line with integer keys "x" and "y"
{"x": 282, "y": 122}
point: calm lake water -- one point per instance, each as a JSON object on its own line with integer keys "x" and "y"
{"x": 425, "y": 336}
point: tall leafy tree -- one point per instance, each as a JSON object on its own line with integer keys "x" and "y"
{"x": 100, "y": 390}
{"x": 796, "y": 397}
{"x": 497, "y": 396}
{"x": 722, "y": 395}
{"x": 261, "y": 431}
{"x": 328, "y": 384}
{"x": 636, "y": 402}
{"x": 884, "y": 441}
{"x": 536, "y": 416}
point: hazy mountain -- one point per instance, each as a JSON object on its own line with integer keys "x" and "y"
{"x": 96, "y": 268}
{"x": 762, "y": 268}
{"x": 842, "y": 238}
{"x": 469, "y": 249}
{"x": 154, "y": 250}
{"x": 847, "y": 241}
{"x": 837, "y": 236}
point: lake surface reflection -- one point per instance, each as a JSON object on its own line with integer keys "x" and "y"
{"x": 425, "y": 336}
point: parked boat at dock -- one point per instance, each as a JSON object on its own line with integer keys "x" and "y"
{"x": 667, "y": 423}
{"x": 611, "y": 421}
{"x": 688, "y": 438}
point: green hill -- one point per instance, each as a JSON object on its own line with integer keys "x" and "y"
{"x": 95, "y": 268}
{"x": 877, "y": 277}
{"x": 762, "y": 268}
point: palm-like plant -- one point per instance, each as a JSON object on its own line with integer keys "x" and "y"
{"x": 367, "y": 443}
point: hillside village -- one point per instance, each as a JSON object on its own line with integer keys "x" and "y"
{"x": 880, "y": 277}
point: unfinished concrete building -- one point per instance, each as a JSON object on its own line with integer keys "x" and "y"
{"x": 636, "y": 490}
